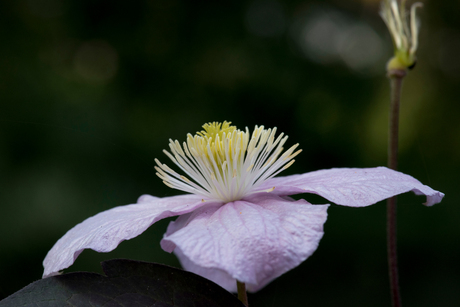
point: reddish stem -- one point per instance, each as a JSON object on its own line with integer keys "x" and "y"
{"x": 242, "y": 295}
{"x": 396, "y": 78}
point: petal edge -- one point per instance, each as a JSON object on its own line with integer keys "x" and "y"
{"x": 353, "y": 187}
{"x": 105, "y": 230}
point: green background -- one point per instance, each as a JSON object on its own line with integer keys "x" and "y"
{"x": 91, "y": 91}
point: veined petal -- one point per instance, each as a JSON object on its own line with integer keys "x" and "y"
{"x": 253, "y": 240}
{"x": 104, "y": 231}
{"x": 354, "y": 187}
{"x": 218, "y": 276}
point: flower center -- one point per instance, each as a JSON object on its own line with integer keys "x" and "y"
{"x": 225, "y": 163}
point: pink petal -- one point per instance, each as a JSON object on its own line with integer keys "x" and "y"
{"x": 354, "y": 187}
{"x": 218, "y": 276}
{"x": 104, "y": 231}
{"x": 253, "y": 240}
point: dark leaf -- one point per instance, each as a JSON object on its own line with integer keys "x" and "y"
{"x": 127, "y": 283}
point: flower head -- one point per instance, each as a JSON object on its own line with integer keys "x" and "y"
{"x": 238, "y": 222}
{"x": 403, "y": 30}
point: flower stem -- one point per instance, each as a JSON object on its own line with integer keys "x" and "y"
{"x": 396, "y": 78}
{"x": 242, "y": 295}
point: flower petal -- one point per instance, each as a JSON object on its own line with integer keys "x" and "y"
{"x": 253, "y": 240}
{"x": 104, "y": 231}
{"x": 218, "y": 276}
{"x": 354, "y": 187}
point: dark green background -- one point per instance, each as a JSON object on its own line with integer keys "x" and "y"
{"x": 91, "y": 91}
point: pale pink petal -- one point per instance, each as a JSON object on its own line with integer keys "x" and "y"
{"x": 218, "y": 276}
{"x": 104, "y": 231}
{"x": 253, "y": 240}
{"x": 354, "y": 187}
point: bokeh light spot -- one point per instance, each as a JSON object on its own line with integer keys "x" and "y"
{"x": 326, "y": 36}
{"x": 96, "y": 61}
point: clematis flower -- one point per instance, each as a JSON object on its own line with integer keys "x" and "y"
{"x": 238, "y": 221}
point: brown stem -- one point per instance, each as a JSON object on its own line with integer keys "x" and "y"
{"x": 242, "y": 295}
{"x": 396, "y": 77}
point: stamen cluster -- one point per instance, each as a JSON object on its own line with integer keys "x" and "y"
{"x": 225, "y": 163}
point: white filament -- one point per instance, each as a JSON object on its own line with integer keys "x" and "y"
{"x": 228, "y": 165}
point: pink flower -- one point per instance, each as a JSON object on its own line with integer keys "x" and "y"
{"x": 239, "y": 222}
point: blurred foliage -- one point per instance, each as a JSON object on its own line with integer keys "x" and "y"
{"x": 91, "y": 91}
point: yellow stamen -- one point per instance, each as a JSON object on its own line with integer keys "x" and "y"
{"x": 289, "y": 164}
{"x": 225, "y": 163}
